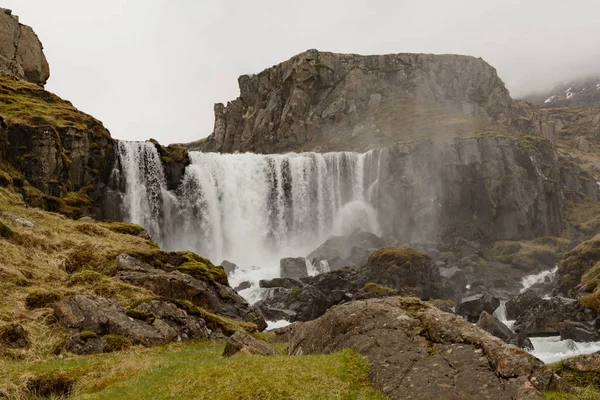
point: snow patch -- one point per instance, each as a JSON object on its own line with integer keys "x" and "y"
{"x": 549, "y": 99}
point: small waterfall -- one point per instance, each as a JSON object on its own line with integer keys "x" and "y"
{"x": 530, "y": 280}
{"x": 250, "y": 209}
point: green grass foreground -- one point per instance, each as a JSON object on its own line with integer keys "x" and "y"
{"x": 196, "y": 370}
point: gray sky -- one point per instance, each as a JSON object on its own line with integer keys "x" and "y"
{"x": 155, "y": 68}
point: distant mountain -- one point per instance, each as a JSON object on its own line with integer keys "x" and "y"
{"x": 575, "y": 93}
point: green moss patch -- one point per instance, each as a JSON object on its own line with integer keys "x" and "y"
{"x": 123, "y": 227}
{"x": 88, "y": 335}
{"x": 398, "y": 255}
{"x": 372, "y": 287}
{"x": 115, "y": 343}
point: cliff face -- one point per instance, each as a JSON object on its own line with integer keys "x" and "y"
{"x": 327, "y": 101}
{"x": 483, "y": 189}
{"x": 21, "y": 52}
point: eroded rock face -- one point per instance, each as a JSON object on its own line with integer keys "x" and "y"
{"x": 518, "y": 304}
{"x": 442, "y": 355}
{"x": 211, "y": 296}
{"x": 163, "y": 324}
{"x": 319, "y": 100}
{"x": 21, "y": 52}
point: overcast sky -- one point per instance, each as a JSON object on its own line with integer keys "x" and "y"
{"x": 154, "y": 68}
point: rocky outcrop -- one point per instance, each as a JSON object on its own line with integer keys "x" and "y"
{"x": 208, "y": 294}
{"x": 154, "y": 323}
{"x": 493, "y": 325}
{"x": 242, "y": 343}
{"x": 21, "y": 52}
{"x": 319, "y": 100}
{"x": 471, "y": 307}
{"x": 442, "y": 355}
{"x": 520, "y": 303}
{"x": 293, "y": 267}
{"x": 543, "y": 317}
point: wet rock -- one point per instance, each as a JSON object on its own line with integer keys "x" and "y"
{"x": 471, "y": 307}
{"x": 229, "y": 267}
{"x": 350, "y": 251}
{"x": 544, "y": 316}
{"x": 211, "y": 295}
{"x": 13, "y": 336}
{"x": 294, "y": 268}
{"x": 493, "y": 325}
{"x": 243, "y": 343}
{"x": 518, "y": 304}
{"x": 577, "y": 331}
{"x": 287, "y": 283}
{"x": 296, "y": 304}
{"x": 243, "y": 286}
{"x": 442, "y": 355}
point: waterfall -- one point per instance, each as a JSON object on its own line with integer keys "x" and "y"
{"x": 250, "y": 209}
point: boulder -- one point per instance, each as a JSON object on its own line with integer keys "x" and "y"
{"x": 350, "y": 251}
{"x": 294, "y": 268}
{"x": 471, "y": 307}
{"x": 287, "y": 283}
{"x": 399, "y": 267}
{"x": 210, "y": 295}
{"x": 18, "y": 220}
{"x": 518, "y": 304}
{"x": 493, "y": 325}
{"x": 243, "y": 343}
{"x": 577, "y": 331}
{"x": 151, "y": 323}
{"x": 296, "y": 304}
{"x": 242, "y": 286}
{"x": 442, "y": 356}
{"x": 543, "y": 317}
{"x": 13, "y": 336}
{"x": 229, "y": 267}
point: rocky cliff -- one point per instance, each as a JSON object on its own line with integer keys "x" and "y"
{"x": 21, "y": 52}
{"x": 326, "y": 101}
{"x": 581, "y": 92}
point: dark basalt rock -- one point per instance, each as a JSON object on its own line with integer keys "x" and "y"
{"x": 543, "y": 317}
{"x": 518, "y": 304}
{"x": 577, "y": 331}
{"x": 471, "y": 307}
{"x": 294, "y": 268}
{"x": 493, "y": 325}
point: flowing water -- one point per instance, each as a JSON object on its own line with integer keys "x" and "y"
{"x": 250, "y": 209}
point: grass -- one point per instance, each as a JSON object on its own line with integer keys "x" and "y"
{"x": 25, "y": 103}
{"x": 59, "y": 258}
{"x": 586, "y": 382}
{"x": 196, "y": 370}
{"x": 576, "y": 266}
{"x": 545, "y": 250}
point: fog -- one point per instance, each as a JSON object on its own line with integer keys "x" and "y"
{"x": 155, "y": 68}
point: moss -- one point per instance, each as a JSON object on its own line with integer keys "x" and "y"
{"x": 115, "y": 343}
{"x": 441, "y": 303}
{"x": 579, "y": 378}
{"x": 412, "y": 305}
{"x": 85, "y": 277}
{"x": 505, "y": 248}
{"x": 88, "y": 335}
{"x": 398, "y": 255}
{"x": 40, "y": 299}
{"x": 5, "y": 231}
{"x": 185, "y": 262}
{"x": 213, "y": 321}
{"x": 91, "y": 229}
{"x": 576, "y": 263}
{"x": 136, "y": 314}
{"x": 123, "y": 228}
{"x": 372, "y": 287}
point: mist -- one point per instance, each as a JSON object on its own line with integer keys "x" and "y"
{"x": 155, "y": 68}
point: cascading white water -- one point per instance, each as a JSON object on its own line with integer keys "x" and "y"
{"x": 250, "y": 209}
{"x": 530, "y": 280}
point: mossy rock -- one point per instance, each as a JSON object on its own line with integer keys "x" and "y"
{"x": 398, "y": 255}
{"x": 574, "y": 267}
{"x": 136, "y": 314}
{"x": 88, "y": 335}
{"x": 372, "y": 287}
{"x": 40, "y": 299}
{"x": 50, "y": 385}
{"x": 115, "y": 343}
{"x": 186, "y": 262}
{"x": 581, "y": 371}
{"x": 5, "y": 231}
{"x": 412, "y": 304}
{"x": 123, "y": 228}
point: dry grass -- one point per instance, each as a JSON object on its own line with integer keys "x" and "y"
{"x": 22, "y": 102}
{"x": 36, "y": 260}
